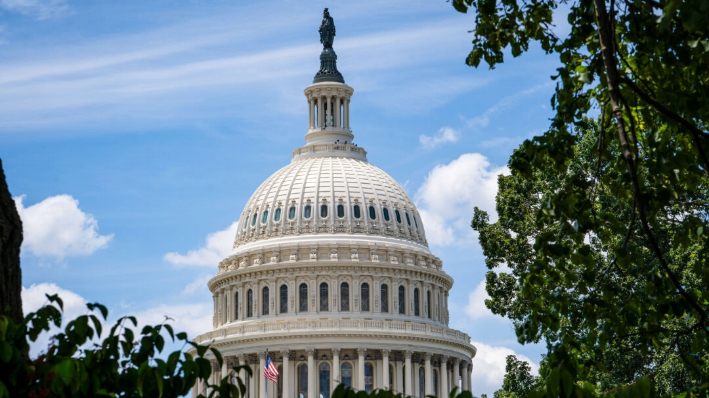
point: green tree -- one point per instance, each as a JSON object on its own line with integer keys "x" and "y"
{"x": 644, "y": 66}
{"x": 584, "y": 279}
{"x": 518, "y": 381}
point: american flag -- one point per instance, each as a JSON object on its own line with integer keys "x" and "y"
{"x": 269, "y": 370}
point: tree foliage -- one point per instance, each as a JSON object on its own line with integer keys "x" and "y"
{"x": 518, "y": 381}
{"x": 124, "y": 364}
{"x": 605, "y": 225}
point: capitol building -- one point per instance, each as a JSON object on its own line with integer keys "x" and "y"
{"x": 331, "y": 273}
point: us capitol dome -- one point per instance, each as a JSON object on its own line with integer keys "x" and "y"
{"x": 331, "y": 273}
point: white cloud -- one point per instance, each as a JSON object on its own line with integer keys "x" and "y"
{"x": 448, "y": 196}
{"x": 476, "y": 308}
{"x": 217, "y": 246}
{"x": 40, "y": 9}
{"x": 194, "y": 319}
{"x": 489, "y": 367}
{"x": 445, "y": 134}
{"x": 56, "y": 227}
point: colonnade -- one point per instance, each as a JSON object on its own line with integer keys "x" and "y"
{"x": 329, "y": 110}
{"x": 314, "y": 373}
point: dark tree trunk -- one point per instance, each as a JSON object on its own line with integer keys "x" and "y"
{"x": 10, "y": 242}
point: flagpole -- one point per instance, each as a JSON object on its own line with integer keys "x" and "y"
{"x": 264, "y": 375}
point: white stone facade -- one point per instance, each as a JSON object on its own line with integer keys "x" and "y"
{"x": 331, "y": 272}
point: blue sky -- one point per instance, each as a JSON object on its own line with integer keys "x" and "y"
{"x": 131, "y": 130}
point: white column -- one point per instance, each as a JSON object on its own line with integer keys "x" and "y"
{"x": 311, "y": 373}
{"x": 335, "y": 367}
{"x": 321, "y": 116}
{"x": 443, "y": 374}
{"x": 385, "y": 369}
{"x": 310, "y": 114}
{"x": 464, "y": 376}
{"x": 456, "y": 374}
{"x": 408, "y": 373}
{"x": 285, "y": 377}
{"x": 337, "y": 111}
{"x": 258, "y": 374}
{"x": 360, "y": 368}
{"x": 427, "y": 374}
{"x": 225, "y": 368}
{"x": 218, "y": 312}
{"x": 225, "y": 309}
{"x": 468, "y": 377}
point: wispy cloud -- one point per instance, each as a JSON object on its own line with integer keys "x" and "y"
{"x": 482, "y": 120}
{"x": 217, "y": 246}
{"x": 40, "y": 9}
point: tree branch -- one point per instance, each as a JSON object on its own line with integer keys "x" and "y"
{"x": 696, "y": 132}
{"x": 605, "y": 34}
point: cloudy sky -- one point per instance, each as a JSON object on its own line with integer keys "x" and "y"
{"x": 133, "y": 133}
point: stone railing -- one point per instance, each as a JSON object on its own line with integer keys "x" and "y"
{"x": 402, "y": 329}
{"x": 345, "y": 150}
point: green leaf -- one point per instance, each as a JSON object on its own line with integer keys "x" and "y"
{"x": 66, "y": 369}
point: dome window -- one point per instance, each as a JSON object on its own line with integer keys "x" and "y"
{"x": 415, "y": 223}
{"x": 253, "y": 219}
{"x": 246, "y": 222}
{"x": 340, "y": 211}
{"x": 398, "y": 216}
{"x": 264, "y": 218}
{"x": 323, "y": 211}
{"x": 372, "y": 213}
{"x": 277, "y": 215}
{"x": 307, "y": 212}
{"x": 291, "y": 213}
{"x": 357, "y": 213}
{"x": 385, "y": 211}
{"x": 408, "y": 220}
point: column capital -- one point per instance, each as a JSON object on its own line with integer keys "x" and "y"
{"x": 444, "y": 359}
{"x": 386, "y": 352}
{"x": 427, "y": 356}
{"x": 215, "y": 366}
{"x": 455, "y": 361}
{"x": 261, "y": 355}
{"x": 310, "y": 351}
{"x": 285, "y": 352}
{"x": 336, "y": 352}
{"x": 242, "y": 359}
{"x": 408, "y": 354}
{"x": 361, "y": 351}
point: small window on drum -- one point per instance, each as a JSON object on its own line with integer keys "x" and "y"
{"x": 246, "y": 222}
{"x": 372, "y": 213}
{"x": 253, "y": 219}
{"x": 415, "y": 223}
{"x": 277, "y": 215}
{"x": 323, "y": 211}
{"x": 385, "y": 212}
{"x": 264, "y": 218}
{"x": 398, "y": 216}
{"x": 408, "y": 220}
{"x": 357, "y": 212}
{"x": 307, "y": 211}
{"x": 340, "y": 211}
{"x": 291, "y": 213}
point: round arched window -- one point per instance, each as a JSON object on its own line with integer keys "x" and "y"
{"x": 385, "y": 212}
{"x": 372, "y": 213}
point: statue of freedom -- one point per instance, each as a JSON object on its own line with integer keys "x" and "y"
{"x": 327, "y": 30}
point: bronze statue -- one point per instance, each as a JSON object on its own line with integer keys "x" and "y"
{"x": 327, "y": 30}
